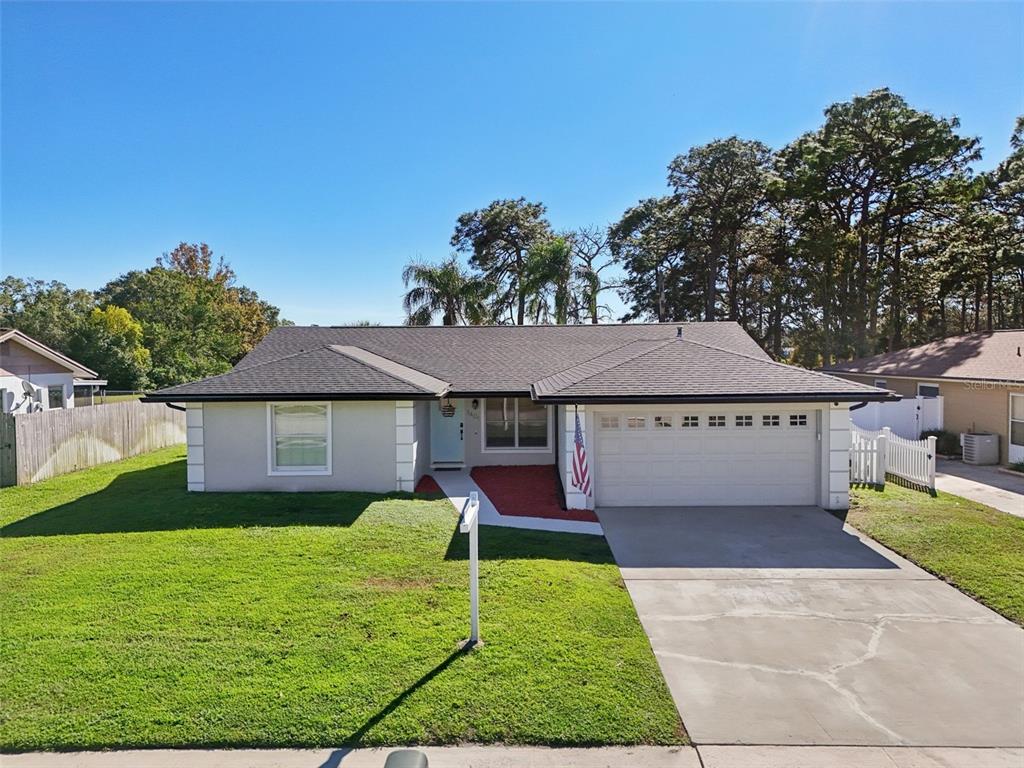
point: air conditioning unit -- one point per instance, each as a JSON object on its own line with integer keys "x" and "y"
{"x": 980, "y": 448}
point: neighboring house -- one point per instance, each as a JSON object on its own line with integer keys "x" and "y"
{"x": 979, "y": 375}
{"x": 34, "y": 377}
{"x": 670, "y": 414}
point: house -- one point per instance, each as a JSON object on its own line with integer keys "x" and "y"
{"x": 670, "y": 414}
{"x": 34, "y": 377}
{"x": 980, "y": 377}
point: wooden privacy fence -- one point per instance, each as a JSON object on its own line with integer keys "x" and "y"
{"x": 874, "y": 454}
{"x": 35, "y": 446}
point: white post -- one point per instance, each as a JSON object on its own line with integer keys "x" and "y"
{"x": 931, "y": 461}
{"x": 470, "y": 524}
{"x": 883, "y": 454}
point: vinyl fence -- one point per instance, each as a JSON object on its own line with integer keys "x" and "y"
{"x": 35, "y": 446}
{"x": 908, "y": 417}
{"x": 875, "y": 454}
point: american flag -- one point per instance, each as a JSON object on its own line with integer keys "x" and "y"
{"x": 580, "y": 471}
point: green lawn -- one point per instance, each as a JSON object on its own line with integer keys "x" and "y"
{"x": 976, "y": 548}
{"x": 135, "y": 614}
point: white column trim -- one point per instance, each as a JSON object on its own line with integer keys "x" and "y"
{"x": 405, "y": 446}
{"x": 575, "y": 499}
{"x": 195, "y": 461}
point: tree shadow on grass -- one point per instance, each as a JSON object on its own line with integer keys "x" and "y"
{"x": 155, "y": 499}
{"x": 498, "y": 543}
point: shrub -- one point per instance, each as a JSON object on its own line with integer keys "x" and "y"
{"x": 946, "y": 443}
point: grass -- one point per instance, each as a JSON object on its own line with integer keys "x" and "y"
{"x": 975, "y": 548}
{"x": 138, "y": 615}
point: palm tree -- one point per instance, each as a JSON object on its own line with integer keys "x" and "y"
{"x": 444, "y": 288}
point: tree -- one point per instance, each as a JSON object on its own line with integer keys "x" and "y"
{"x": 48, "y": 312}
{"x": 720, "y": 187}
{"x": 498, "y": 239}
{"x": 548, "y": 282}
{"x": 873, "y": 172}
{"x": 196, "y": 322}
{"x": 592, "y": 256}
{"x": 110, "y": 342}
{"x": 444, "y": 289}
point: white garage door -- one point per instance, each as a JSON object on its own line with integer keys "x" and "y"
{"x": 672, "y": 457}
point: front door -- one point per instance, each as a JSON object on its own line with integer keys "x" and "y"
{"x": 447, "y": 446}
{"x": 1016, "y": 452}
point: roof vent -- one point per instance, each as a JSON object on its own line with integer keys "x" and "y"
{"x": 679, "y": 332}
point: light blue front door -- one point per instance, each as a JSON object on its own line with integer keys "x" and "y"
{"x": 446, "y": 432}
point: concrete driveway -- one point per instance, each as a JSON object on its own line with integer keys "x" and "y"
{"x": 783, "y": 626}
{"x": 986, "y": 485}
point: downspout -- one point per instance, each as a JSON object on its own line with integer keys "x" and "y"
{"x": 858, "y": 406}
{"x": 175, "y": 407}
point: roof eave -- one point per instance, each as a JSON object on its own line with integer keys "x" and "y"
{"x": 782, "y": 397}
{"x": 170, "y": 397}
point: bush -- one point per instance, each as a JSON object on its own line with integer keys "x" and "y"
{"x": 946, "y": 443}
{"x": 1017, "y": 466}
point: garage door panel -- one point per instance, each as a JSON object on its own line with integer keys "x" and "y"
{"x": 706, "y": 466}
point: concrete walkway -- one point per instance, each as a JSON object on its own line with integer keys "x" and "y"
{"x": 782, "y": 626}
{"x": 537, "y": 757}
{"x": 458, "y": 484}
{"x": 986, "y": 485}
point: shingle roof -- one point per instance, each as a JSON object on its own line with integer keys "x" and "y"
{"x": 991, "y": 356}
{"x": 682, "y": 369}
{"x": 600, "y": 361}
{"x": 324, "y": 372}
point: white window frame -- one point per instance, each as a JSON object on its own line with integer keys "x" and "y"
{"x": 274, "y": 471}
{"x": 515, "y": 420}
{"x": 929, "y": 384}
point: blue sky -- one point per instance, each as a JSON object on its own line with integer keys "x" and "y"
{"x": 319, "y": 147}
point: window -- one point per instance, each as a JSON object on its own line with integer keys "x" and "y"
{"x": 609, "y": 422}
{"x": 744, "y": 421}
{"x": 55, "y": 397}
{"x": 636, "y": 422}
{"x": 300, "y": 438}
{"x": 928, "y": 390}
{"x": 770, "y": 420}
{"x": 690, "y": 421}
{"x": 515, "y": 422}
{"x": 881, "y": 383}
{"x": 662, "y": 422}
{"x": 798, "y": 420}
{"x": 716, "y": 421}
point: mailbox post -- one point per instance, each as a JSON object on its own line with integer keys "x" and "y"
{"x": 470, "y": 523}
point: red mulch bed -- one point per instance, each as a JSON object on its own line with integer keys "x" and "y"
{"x": 529, "y": 491}
{"x": 427, "y": 484}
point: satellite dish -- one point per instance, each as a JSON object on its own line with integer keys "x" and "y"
{"x": 27, "y": 388}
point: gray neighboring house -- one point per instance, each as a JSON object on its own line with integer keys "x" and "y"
{"x": 680, "y": 414}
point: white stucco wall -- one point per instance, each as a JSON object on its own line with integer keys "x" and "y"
{"x": 14, "y": 394}
{"x": 363, "y": 451}
{"x": 477, "y": 457}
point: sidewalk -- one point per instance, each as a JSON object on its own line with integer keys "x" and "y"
{"x": 539, "y": 757}
{"x": 985, "y": 485}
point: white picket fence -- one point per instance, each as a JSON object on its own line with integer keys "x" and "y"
{"x": 874, "y": 454}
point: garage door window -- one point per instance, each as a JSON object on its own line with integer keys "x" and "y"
{"x": 515, "y": 422}
{"x": 609, "y": 422}
{"x": 636, "y": 422}
{"x": 690, "y": 421}
{"x": 663, "y": 422}
{"x": 716, "y": 421}
{"x": 798, "y": 420}
{"x": 744, "y": 421}
{"x": 770, "y": 420}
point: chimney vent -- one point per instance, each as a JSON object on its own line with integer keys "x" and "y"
{"x": 679, "y": 335}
